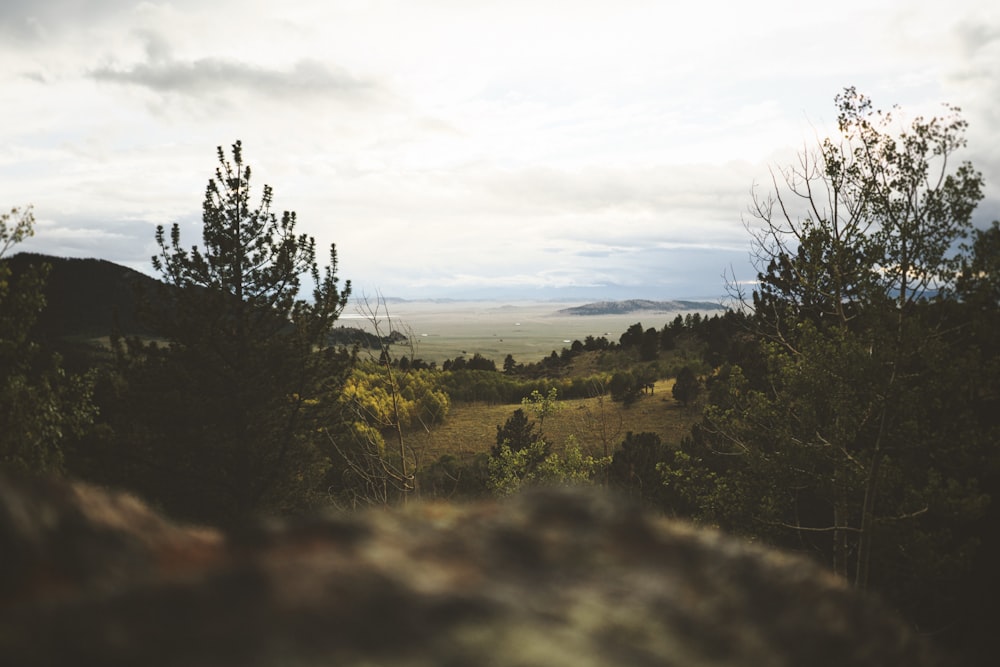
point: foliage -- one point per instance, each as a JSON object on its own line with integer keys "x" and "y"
{"x": 644, "y": 354}
{"x": 854, "y": 437}
{"x": 225, "y": 420}
{"x": 43, "y": 405}
{"x": 510, "y": 470}
{"x": 477, "y": 363}
{"x": 379, "y": 401}
{"x": 451, "y": 477}
{"x": 572, "y": 468}
{"x": 420, "y": 402}
{"x": 492, "y": 387}
{"x": 687, "y": 387}
{"x": 509, "y": 365}
{"x": 633, "y": 467}
{"x": 627, "y": 386}
{"x": 385, "y": 397}
{"x": 978, "y": 280}
{"x": 542, "y": 405}
{"x": 624, "y": 387}
{"x": 523, "y": 457}
{"x": 368, "y": 475}
{"x": 517, "y": 433}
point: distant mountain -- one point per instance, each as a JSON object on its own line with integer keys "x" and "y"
{"x": 84, "y": 296}
{"x": 637, "y": 306}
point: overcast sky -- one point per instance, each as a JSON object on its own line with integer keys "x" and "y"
{"x": 464, "y": 147}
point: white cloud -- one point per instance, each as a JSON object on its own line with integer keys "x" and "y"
{"x": 221, "y": 76}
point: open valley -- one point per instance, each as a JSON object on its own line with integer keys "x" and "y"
{"x": 528, "y": 330}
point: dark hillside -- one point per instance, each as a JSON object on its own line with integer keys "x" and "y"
{"x": 84, "y": 295}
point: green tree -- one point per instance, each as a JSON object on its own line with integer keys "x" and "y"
{"x": 43, "y": 405}
{"x": 517, "y": 433}
{"x": 510, "y": 471}
{"x": 632, "y": 337}
{"x": 230, "y": 410}
{"x": 978, "y": 280}
{"x": 509, "y": 365}
{"x": 686, "y": 387}
{"x": 624, "y": 387}
{"x": 857, "y": 444}
{"x": 522, "y": 455}
{"x": 542, "y": 405}
{"x": 649, "y": 347}
{"x": 633, "y": 467}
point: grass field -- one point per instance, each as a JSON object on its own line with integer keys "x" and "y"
{"x": 471, "y": 428}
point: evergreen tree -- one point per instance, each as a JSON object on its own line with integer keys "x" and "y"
{"x": 686, "y": 387}
{"x": 624, "y": 387}
{"x": 649, "y": 345}
{"x": 229, "y": 412}
{"x": 509, "y": 365}
{"x": 517, "y": 432}
{"x": 633, "y": 467}
{"x": 632, "y": 337}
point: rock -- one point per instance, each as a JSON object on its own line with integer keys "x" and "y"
{"x": 549, "y": 578}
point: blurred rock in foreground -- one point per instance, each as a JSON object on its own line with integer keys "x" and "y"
{"x": 550, "y": 578}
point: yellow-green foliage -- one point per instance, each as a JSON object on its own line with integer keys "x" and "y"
{"x": 386, "y": 398}
{"x": 534, "y": 464}
{"x": 512, "y": 470}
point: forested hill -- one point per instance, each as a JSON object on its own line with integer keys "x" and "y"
{"x": 83, "y": 296}
{"x": 639, "y": 305}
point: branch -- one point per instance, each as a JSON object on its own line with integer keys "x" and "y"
{"x": 809, "y": 529}
{"x": 905, "y": 517}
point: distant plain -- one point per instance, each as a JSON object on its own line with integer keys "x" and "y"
{"x": 528, "y": 330}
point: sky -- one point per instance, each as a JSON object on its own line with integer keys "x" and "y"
{"x": 463, "y": 148}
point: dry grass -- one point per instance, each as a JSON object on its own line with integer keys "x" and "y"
{"x": 471, "y": 428}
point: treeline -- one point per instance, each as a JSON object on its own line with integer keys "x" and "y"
{"x": 494, "y": 387}
{"x": 355, "y": 336}
{"x": 695, "y": 339}
{"x": 634, "y": 362}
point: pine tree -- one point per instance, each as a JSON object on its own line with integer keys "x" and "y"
{"x": 517, "y": 433}
{"x": 233, "y": 404}
{"x": 686, "y": 387}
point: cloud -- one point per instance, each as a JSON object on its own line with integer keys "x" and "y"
{"x": 127, "y": 241}
{"x": 661, "y": 226}
{"x": 450, "y": 143}
{"x": 28, "y": 21}
{"x": 649, "y": 273}
{"x": 210, "y": 75}
{"x": 975, "y": 77}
